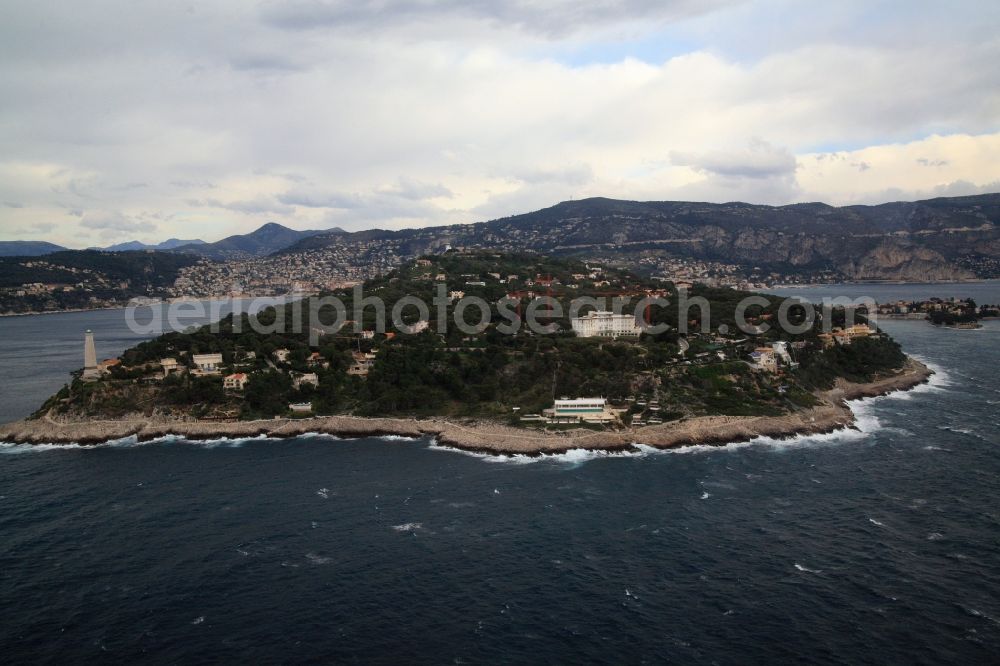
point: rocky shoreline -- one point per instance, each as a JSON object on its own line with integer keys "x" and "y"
{"x": 832, "y": 414}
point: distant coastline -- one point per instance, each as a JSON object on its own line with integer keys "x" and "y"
{"x": 51, "y": 312}
{"x": 830, "y": 415}
{"x": 192, "y": 299}
{"x": 813, "y": 285}
{"x": 810, "y": 285}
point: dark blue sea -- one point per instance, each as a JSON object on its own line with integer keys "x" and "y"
{"x": 877, "y": 546}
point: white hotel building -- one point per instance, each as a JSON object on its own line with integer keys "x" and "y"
{"x": 604, "y": 324}
{"x": 591, "y": 410}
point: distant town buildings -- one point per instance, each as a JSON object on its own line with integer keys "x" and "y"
{"x": 323, "y": 269}
{"x": 935, "y": 306}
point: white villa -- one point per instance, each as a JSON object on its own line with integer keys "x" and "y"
{"x": 763, "y": 359}
{"x": 605, "y": 325}
{"x": 169, "y": 365}
{"x": 207, "y": 364}
{"x": 310, "y": 378}
{"x": 419, "y": 326}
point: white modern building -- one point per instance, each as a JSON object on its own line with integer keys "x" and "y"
{"x": 593, "y": 410}
{"x": 604, "y": 324}
{"x": 207, "y": 364}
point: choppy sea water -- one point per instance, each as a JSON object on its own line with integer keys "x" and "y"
{"x": 880, "y": 545}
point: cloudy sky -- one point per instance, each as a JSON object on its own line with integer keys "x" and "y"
{"x": 135, "y": 120}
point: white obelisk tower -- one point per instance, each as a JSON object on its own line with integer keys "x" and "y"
{"x": 90, "y": 370}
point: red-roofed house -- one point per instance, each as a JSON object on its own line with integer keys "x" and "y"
{"x": 235, "y": 382}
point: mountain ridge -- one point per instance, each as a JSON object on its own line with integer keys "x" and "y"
{"x": 266, "y": 239}
{"x": 135, "y": 245}
{"x": 19, "y": 248}
{"x": 899, "y": 240}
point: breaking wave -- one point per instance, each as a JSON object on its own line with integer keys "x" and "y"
{"x": 571, "y": 457}
{"x": 408, "y": 527}
{"x": 133, "y": 441}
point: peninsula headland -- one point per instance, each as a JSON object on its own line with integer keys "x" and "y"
{"x": 711, "y": 370}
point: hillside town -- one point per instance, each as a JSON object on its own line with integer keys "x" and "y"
{"x": 308, "y": 271}
{"x": 334, "y": 267}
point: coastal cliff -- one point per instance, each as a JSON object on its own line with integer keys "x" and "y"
{"x": 904, "y": 261}
{"x": 832, "y": 413}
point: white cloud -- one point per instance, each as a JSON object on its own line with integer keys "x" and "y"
{"x": 962, "y": 165}
{"x": 201, "y": 119}
{"x": 113, "y": 222}
{"x": 759, "y": 160}
{"x": 260, "y": 205}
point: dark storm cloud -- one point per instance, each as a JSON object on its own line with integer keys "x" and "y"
{"x": 553, "y": 18}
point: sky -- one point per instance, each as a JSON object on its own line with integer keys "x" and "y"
{"x": 151, "y": 120}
